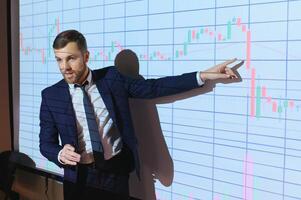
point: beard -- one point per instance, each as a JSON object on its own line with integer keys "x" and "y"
{"x": 73, "y": 77}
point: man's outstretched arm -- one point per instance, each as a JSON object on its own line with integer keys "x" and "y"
{"x": 169, "y": 85}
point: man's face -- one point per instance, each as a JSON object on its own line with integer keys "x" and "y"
{"x": 72, "y": 63}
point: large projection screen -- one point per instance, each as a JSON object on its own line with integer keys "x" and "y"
{"x": 239, "y": 141}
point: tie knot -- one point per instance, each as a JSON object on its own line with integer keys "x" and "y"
{"x": 82, "y": 86}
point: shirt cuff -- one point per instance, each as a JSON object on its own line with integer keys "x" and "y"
{"x": 198, "y": 78}
{"x": 58, "y": 157}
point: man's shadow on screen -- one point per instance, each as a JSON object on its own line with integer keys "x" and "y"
{"x": 156, "y": 162}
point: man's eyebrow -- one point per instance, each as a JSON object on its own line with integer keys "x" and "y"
{"x": 71, "y": 55}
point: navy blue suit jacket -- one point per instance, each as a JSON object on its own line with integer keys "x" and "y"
{"x": 57, "y": 116}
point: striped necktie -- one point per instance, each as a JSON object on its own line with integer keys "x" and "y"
{"x": 93, "y": 127}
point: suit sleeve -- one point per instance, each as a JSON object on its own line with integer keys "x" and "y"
{"x": 153, "y": 88}
{"x": 49, "y": 141}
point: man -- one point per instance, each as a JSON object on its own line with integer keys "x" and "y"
{"x": 89, "y": 111}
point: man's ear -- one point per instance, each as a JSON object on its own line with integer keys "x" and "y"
{"x": 86, "y": 56}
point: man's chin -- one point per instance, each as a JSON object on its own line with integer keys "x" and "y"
{"x": 70, "y": 80}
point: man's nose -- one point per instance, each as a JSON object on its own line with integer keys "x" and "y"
{"x": 65, "y": 66}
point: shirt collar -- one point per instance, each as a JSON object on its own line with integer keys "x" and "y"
{"x": 89, "y": 80}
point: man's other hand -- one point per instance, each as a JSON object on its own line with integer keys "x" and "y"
{"x": 68, "y": 155}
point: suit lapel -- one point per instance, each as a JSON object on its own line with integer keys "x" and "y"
{"x": 104, "y": 90}
{"x": 66, "y": 103}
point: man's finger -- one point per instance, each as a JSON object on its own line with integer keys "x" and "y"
{"x": 68, "y": 162}
{"x": 70, "y": 158}
{"x": 66, "y": 156}
{"x": 69, "y": 147}
{"x": 72, "y": 155}
{"x": 230, "y": 72}
{"x": 213, "y": 76}
{"x": 228, "y": 62}
{"x": 224, "y": 76}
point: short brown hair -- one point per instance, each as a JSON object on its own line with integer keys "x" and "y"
{"x": 63, "y": 38}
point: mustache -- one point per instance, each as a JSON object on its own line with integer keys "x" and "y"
{"x": 67, "y": 71}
